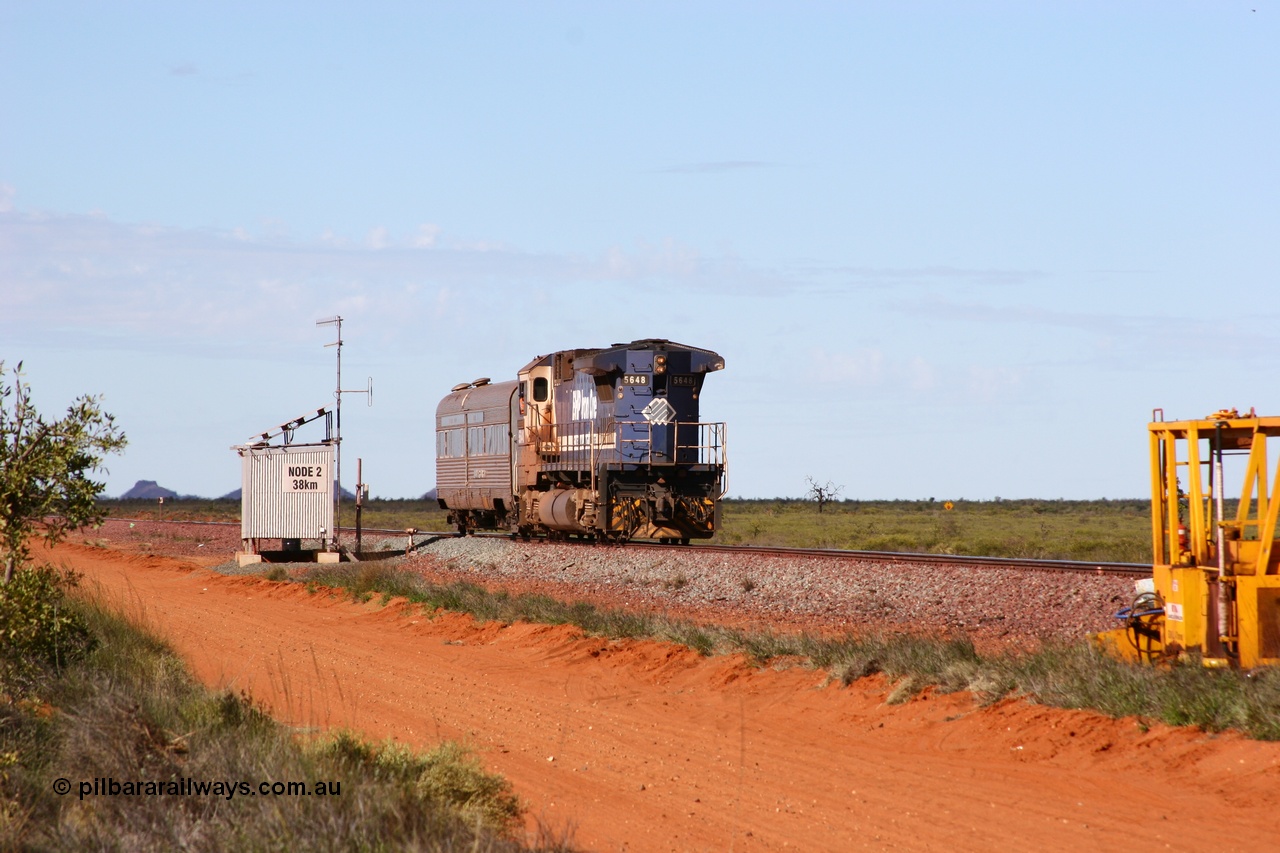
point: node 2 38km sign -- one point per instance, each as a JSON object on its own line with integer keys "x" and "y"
{"x": 303, "y": 478}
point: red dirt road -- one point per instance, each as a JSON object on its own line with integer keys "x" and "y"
{"x": 642, "y": 746}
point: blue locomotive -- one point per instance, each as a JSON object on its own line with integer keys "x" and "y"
{"x": 602, "y": 444}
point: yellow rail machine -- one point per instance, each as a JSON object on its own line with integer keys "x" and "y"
{"x": 1215, "y": 586}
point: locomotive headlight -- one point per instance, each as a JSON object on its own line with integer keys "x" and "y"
{"x": 660, "y": 364}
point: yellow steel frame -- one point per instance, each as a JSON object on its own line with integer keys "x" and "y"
{"x": 1220, "y": 580}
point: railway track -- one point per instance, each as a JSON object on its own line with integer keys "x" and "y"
{"x": 895, "y": 557}
{"x": 1092, "y": 567}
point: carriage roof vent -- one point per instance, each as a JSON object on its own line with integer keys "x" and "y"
{"x": 484, "y": 380}
{"x": 460, "y": 386}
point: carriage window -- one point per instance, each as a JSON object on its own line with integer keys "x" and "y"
{"x": 540, "y": 389}
{"x": 451, "y": 444}
{"x": 488, "y": 440}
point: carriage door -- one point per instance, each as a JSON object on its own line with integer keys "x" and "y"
{"x": 536, "y": 436}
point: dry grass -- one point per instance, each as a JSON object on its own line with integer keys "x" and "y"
{"x": 1110, "y": 530}
{"x": 1113, "y": 531}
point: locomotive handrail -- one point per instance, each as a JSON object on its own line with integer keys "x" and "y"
{"x": 709, "y": 440}
{"x": 583, "y": 444}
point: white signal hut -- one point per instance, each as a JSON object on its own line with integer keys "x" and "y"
{"x": 286, "y": 494}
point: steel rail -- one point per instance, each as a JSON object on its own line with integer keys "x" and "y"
{"x": 906, "y": 557}
{"x": 897, "y": 557}
{"x": 1018, "y": 563}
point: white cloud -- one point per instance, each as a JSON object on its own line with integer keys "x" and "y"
{"x": 426, "y": 236}
{"x": 90, "y": 275}
{"x": 7, "y": 192}
{"x": 988, "y": 384}
{"x": 443, "y": 301}
{"x": 920, "y": 374}
{"x": 378, "y": 238}
{"x": 1113, "y": 335}
{"x": 717, "y": 166}
{"x": 873, "y": 369}
{"x": 863, "y": 367}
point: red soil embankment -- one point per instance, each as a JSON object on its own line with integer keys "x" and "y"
{"x": 644, "y": 746}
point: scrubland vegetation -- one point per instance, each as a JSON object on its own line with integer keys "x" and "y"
{"x": 1105, "y": 530}
{"x": 86, "y": 695}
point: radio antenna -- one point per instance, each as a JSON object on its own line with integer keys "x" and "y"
{"x": 336, "y": 320}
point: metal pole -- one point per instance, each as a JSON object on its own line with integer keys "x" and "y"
{"x": 359, "y": 501}
{"x": 1224, "y": 589}
{"x": 337, "y": 396}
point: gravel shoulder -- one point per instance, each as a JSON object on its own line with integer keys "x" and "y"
{"x": 996, "y": 607}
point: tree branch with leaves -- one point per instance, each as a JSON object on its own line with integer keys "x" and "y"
{"x": 46, "y": 468}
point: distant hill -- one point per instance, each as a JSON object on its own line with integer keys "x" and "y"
{"x": 147, "y": 490}
{"x": 430, "y": 496}
{"x": 235, "y": 495}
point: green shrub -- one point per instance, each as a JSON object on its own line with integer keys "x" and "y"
{"x": 448, "y": 774}
{"x": 38, "y": 628}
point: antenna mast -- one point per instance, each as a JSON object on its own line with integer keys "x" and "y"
{"x": 337, "y": 397}
{"x": 336, "y": 320}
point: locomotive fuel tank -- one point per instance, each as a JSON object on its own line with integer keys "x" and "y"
{"x": 566, "y": 510}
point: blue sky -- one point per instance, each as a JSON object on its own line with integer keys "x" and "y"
{"x": 947, "y": 249}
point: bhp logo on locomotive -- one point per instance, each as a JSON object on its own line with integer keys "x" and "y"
{"x": 585, "y": 405}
